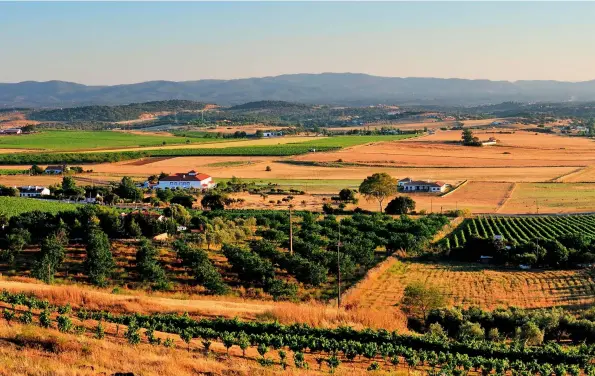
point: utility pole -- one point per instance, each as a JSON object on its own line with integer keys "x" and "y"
{"x": 537, "y": 206}
{"x": 339, "y": 268}
{"x": 290, "y": 232}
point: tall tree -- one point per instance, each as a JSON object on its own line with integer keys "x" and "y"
{"x": 49, "y": 259}
{"x": 100, "y": 262}
{"x": 400, "y": 205}
{"x": 127, "y": 189}
{"x": 378, "y": 187}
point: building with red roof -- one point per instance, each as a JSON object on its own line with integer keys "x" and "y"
{"x": 190, "y": 179}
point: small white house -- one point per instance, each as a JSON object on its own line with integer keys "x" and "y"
{"x": 34, "y": 191}
{"x": 191, "y": 179}
{"x": 424, "y": 186}
{"x": 56, "y": 170}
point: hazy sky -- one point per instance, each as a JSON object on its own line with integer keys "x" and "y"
{"x": 111, "y": 43}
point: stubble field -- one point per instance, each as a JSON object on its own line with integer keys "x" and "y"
{"x": 476, "y": 285}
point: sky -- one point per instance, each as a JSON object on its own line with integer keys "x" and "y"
{"x": 107, "y": 43}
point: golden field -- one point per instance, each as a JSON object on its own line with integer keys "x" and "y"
{"x": 476, "y": 285}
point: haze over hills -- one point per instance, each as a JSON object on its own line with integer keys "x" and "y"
{"x": 325, "y": 88}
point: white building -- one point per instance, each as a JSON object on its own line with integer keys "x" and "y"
{"x": 34, "y": 191}
{"x": 187, "y": 180}
{"x": 56, "y": 170}
{"x": 424, "y": 186}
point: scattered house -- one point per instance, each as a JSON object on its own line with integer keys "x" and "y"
{"x": 34, "y": 191}
{"x": 490, "y": 141}
{"x": 191, "y": 179}
{"x": 424, "y": 186}
{"x": 56, "y": 170}
{"x": 524, "y": 267}
{"x": 11, "y": 131}
{"x": 402, "y": 182}
{"x": 272, "y": 134}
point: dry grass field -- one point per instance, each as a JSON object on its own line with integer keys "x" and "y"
{"x": 519, "y": 149}
{"x": 551, "y": 198}
{"x": 476, "y": 285}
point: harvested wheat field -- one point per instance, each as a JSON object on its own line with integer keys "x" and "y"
{"x": 476, "y": 285}
{"x": 530, "y": 198}
{"x": 255, "y": 168}
{"x": 519, "y": 149}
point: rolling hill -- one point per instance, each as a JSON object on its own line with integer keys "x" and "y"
{"x": 325, "y": 88}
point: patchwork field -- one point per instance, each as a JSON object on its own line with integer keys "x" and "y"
{"x": 476, "y": 285}
{"x": 519, "y": 149}
{"x": 551, "y": 198}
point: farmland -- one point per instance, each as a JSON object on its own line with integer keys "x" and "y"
{"x": 12, "y": 206}
{"x": 85, "y": 140}
{"x": 477, "y": 285}
{"x": 522, "y": 229}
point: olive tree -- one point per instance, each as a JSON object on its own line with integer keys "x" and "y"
{"x": 378, "y": 187}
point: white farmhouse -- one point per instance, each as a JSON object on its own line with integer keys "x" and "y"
{"x": 33, "y": 191}
{"x": 425, "y": 186}
{"x": 186, "y": 180}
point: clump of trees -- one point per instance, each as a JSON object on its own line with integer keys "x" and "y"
{"x": 469, "y": 139}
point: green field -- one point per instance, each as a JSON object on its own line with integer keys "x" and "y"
{"x": 280, "y": 150}
{"x": 84, "y": 140}
{"x": 11, "y": 206}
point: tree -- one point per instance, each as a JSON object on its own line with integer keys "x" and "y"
{"x": 400, "y": 205}
{"x": 184, "y": 200}
{"x": 347, "y": 195}
{"x": 70, "y": 189}
{"x": 213, "y": 201}
{"x": 165, "y": 195}
{"x": 99, "y": 263}
{"x": 147, "y": 265}
{"x": 469, "y": 139}
{"x": 15, "y": 241}
{"x": 178, "y": 213}
{"x": 471, "y": 330}
{"x": 378, "y": 187}
{"x": 259, "y": 133}
{"x": 36, "y": 170}
{"x": 418, "y": 300}
{"x": 49, "y": 259}
{"x": 127, "y": 190}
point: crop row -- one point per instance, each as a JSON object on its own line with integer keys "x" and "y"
{"x": 352, "y": 343}
{"x": 520, "y": 230}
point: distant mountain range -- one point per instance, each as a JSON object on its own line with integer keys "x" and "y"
{"x": 326, "y": 88}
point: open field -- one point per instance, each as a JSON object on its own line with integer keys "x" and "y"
{"x": 476, "y": 285}
{"x": 519, "y": 149}
{"x": 551, "y": 198}
{"x": 83, "y": 140}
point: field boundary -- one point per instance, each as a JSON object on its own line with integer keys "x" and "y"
{"x": 464, "y": 182}
{"x": 558, "y": 179}
{"x": 507, "y": 197}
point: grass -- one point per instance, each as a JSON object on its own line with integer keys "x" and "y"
{"x": 476, "y": 285}
{"x": 307, "y": 185}
{"x": 12, "y": 206}
{"x": 10, "y": 171}
{"x": 84, "y": 140}
{"x": 228, "y": 164}
{"x": 551, "y": 197}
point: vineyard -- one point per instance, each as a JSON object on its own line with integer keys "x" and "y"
{"x": 519, "y": 230}
{"x": 13, "y": 206}
{"x": 380, "y": 349}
